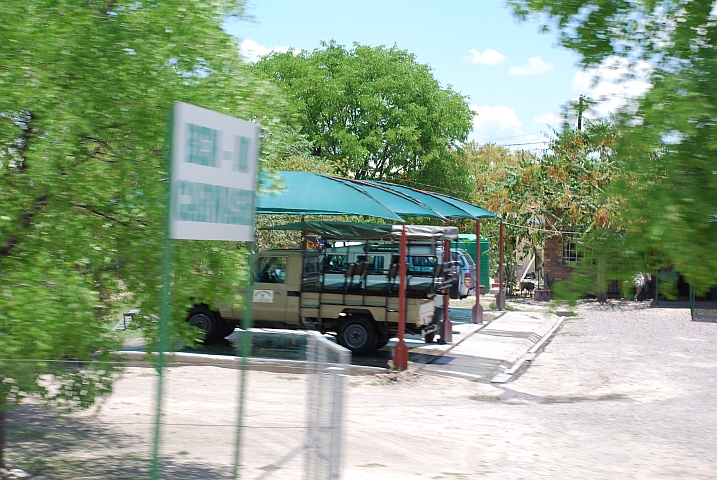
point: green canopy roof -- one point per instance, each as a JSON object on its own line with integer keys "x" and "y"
{"x": 370, "y": 231}
{"x": 302, "y": 193}
{"x": 400, "y": 203}
{"x": 476, "y": 211}
{"x": 447, "y": 209}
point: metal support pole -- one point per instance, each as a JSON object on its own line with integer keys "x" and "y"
{"x": 447, "y": 329}
{"x": 244, "y": 348}
{"x": 500, "y": 299}
{"x": 692, "y": 302}
{"x": 155, "y": 471}
{"x": 400, "y": 351}
{"x": 657, "y": 284}
{"x": 478, "y": 309}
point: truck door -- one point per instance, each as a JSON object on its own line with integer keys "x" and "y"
{"x": 270, "y": 289}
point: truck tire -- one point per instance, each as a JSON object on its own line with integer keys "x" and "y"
{"x": 383, "y": 337}
{"x": 358, "y": 334}
{"x": 201, "y": 317}
{"x": 455, "y": 292}
{"x": 226, "y": 328}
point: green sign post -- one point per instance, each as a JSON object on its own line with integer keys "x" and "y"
{"x": 214, "y": 164}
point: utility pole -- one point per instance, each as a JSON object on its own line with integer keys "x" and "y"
{"x": 580, "y": 112}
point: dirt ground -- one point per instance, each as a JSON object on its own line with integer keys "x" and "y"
{"x": 623, "y": 391}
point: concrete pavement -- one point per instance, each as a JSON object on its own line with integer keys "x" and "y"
{"x": 493, "y": 351}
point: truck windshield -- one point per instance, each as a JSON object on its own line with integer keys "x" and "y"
{"x": 271, "y": 270}
{"x": 421, "y": 264}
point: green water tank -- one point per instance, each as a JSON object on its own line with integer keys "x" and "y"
{"x": 467, "y": 241}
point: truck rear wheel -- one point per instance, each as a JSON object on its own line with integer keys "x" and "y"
{"x": 358, "y": 334}
{"x": 383, "y": 336}
{"x": 455, "y": 291}
{"x": 201, "y": 317}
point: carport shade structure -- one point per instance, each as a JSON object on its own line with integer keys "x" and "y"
{"x": 303, "y": 193}
{"x": 451, "y": 207}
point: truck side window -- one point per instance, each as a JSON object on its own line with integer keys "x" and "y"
{"x": 334, "y": 263}
{"x": 271, "y": 270}
{"x": 376, "y": 263}
{"x": 311, "y": 265}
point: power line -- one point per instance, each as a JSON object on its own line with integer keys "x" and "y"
{"x": 432, "y": 186}
{"x": 515, "y": 136}
{"x": 544, "y": 229}
{"x": 526, "y": 143}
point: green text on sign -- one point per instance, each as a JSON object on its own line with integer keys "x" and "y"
{"x": 204, "y": 149}
{"x": 200, "y": 202}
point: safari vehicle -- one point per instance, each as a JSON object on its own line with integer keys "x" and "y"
{"x": 342, "y": 291}
{"x": 421, "y": 258}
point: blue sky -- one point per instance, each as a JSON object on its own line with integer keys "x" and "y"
{"x": 516, "y": 78}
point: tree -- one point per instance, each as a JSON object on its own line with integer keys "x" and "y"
{"x": 85, "y": 90}
{"x": 668, "y": 139}
{"x": 487, "y": 168}
{"x": 374, "y": 111}
{"x": 565, "y": 187}
{"x": 560, "y": 191}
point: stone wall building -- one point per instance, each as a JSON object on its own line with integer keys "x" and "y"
{"x": 556, "y": 254}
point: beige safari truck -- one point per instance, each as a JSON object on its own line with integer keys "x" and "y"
{"x": 348, "y": 287}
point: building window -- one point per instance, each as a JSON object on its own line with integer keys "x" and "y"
{"x": 570, "y": 253}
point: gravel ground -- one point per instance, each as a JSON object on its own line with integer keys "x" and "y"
{"x": 623, "y": 391}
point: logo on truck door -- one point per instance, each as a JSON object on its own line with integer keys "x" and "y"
{"x": 263, "y": 296}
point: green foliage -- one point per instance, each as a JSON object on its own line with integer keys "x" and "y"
{"x": 668, "y": 138}
{"x": 487, "y": 168}
{"x": 561, "y": 191}
{"x": 566, "y": 186}
{"x": 85, "y": 90}
{"x": 374, "y": 112}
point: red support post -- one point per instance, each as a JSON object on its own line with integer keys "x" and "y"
{"x": 447, "y": 330}
{"x": 500, "y": 300}
{"x": 400, "y": 351}
{"x": 477, "y": 309}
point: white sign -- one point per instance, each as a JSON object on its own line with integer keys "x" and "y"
{"x": 214, "y": 169}
{"x": 263, "y": 296}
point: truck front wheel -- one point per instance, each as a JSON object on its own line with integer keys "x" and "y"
{"x": 226, "y": 328}
{"x": 203, "y": 318}
{"x": 358, "y": 334}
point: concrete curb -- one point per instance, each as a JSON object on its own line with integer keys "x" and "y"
{"x": 507, "y": 375}
{"x": 183, "y": 359}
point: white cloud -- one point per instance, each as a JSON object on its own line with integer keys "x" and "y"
{"x": 488, "y": 57}
{"x": 251, "y": 50}
{"x": 612, "y": 84}
{"x": 493, "y": 123}
{"x": 535, "y": 66}
{"x": 553, "y": 119}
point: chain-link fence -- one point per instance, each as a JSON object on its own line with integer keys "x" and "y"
{"x": 286, "y": 411}
{"x": 327, "y": 365}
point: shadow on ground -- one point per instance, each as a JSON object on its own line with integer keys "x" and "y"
{"x": 51, "y": 446}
